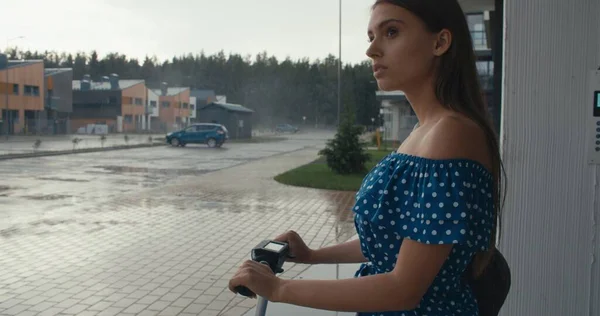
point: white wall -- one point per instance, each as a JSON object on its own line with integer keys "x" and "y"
{"x": 153, "y": 97}
{"x": 193, "y": 113}
{"x": 551, "y": 229}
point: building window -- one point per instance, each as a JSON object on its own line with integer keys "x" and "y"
{"x": 477, "y": 27}
{"x": 112, "y": 100}
{"x": 153, "y": 104}
{"x": 30, "y": 90}
{"x": 185, "y": 105}
{"x": 191, "y": 106}
{"x": 165, "y": 104}
{"x": 139, "y": 101}
{"x": 128, "y": 119}
{"x": 15, "y": 89}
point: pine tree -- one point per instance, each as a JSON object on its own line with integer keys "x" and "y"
{"x": 346, "y": 153}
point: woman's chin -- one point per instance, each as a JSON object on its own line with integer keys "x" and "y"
{"x": 386, "y": 85}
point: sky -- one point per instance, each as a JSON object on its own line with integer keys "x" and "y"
{"x": 136, "y": 28}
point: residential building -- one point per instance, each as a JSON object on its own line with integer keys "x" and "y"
{"x": 202, "y": 98}
{"x": 120, "y": 104}
{"x": 174, "y": 109}
{"x": 152, "y": 111}
{"x": 21, "y": 95}
{"x": 58, "y": 103}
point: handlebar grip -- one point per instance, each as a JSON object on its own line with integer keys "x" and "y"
{"x": 242, "y": 290}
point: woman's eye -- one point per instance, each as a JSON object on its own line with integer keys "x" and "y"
{"x": 391, "y": 32}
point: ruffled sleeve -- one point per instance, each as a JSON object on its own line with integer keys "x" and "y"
{"x": 432, "y": 201}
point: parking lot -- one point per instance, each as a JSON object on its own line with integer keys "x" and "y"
{"x": 152, "y": 231}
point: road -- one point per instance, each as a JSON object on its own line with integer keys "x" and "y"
{"x": 152, "y": 231}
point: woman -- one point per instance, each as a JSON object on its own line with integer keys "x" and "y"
{"x": 428, "y": 213}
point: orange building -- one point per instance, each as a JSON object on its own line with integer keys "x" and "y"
{"x": 21, "y": 94}
{"x": 174, "y": 107}
{"x": 120, "y": 104}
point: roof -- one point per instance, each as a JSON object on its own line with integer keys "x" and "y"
{"x": 94, "y": 85}
{"x": 54, "y": 71}
{"x": 21, "y": 63}
{"x": 153, "y": 92}
{"x": 230, "y": 107}
{"x": 171, "y": 91}
{"x": 202, "y": 94}
{"x": 390, "y": 95}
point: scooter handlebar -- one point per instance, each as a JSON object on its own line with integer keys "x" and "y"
{"x": 242, "y": 290}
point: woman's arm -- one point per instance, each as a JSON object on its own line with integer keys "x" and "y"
{"x": 347, "y": 252}
{"x": 401, "y": 289}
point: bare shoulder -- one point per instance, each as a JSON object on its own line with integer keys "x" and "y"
{"x": 455, "y": 137}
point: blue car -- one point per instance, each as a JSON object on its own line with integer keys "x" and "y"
{"x": 213, "y": 135}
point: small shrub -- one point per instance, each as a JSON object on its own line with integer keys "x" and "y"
{"x": 346, "y": 153}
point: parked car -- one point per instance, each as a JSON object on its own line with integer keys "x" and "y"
{"x": 283, "y": 128}
{"x": 213, "y": 135}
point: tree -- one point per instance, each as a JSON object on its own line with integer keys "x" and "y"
{"x": 346, "y": 153}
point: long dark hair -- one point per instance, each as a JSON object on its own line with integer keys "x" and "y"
{"x": 457, "y": 87}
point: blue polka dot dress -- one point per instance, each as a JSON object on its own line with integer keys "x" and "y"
{"x": 432, "y": 202}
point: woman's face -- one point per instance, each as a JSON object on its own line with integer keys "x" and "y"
{"x": 403, "y": 51}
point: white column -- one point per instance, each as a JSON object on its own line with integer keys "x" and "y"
{"x": 551, "y": 234}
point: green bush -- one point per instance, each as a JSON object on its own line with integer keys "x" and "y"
{"x": 346, "y": 153}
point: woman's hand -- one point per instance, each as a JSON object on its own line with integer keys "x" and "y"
{"x": 258, "y": 278}
{"x": 299, "y": 251}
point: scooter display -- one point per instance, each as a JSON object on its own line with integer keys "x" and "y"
{"x": 273, "y": 254}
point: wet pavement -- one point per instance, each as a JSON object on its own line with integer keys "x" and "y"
{"x": 153, "y": 231}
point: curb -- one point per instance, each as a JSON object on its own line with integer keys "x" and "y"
{"x": 76, "y": 151}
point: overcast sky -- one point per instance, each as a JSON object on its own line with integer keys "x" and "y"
{"x": 300, "y": 28}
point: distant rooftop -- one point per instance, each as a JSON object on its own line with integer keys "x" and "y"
{"x": 21, "y": 63}
{"x": 202, "y": 94}
{"x": 54, "y": 71}
{"x": 390, "y": 95}
{"x": 171, "y": 91}
{"x": 94, "y": 85}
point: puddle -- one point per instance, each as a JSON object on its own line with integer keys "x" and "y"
{"x": 48, "y": 197}
{"x": 172, "y": 172}
{"x": 49, "y": 222}
{"x": 140, "y": 183}
{"x": 4, "y": 188}
{"x": 61, "y": 179}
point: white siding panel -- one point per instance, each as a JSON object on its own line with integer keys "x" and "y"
{"x": 550, "y": 233}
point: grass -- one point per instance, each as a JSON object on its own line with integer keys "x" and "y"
{"x": 317, "y": 175}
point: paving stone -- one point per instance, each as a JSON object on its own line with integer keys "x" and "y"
{"x": 164, "y": 250}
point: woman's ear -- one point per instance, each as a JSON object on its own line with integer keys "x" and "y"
{"x": 442, "y": 42}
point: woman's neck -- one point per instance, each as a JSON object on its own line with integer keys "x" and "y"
{"x": 425, "y": 105}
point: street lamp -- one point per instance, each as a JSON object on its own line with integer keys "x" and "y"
{"x": 7, "y": 86}
{"x": 339, "y": 63}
